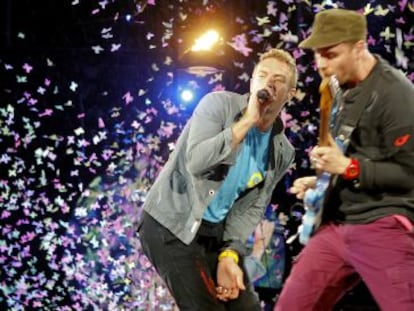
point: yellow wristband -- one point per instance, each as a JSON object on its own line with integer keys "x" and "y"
{"x": 229, "y": 253}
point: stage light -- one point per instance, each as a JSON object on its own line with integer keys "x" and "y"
{"x": 187, "y": 95}
{"x": 128, "y": 17}
{"x": 204, "y": 56}
{"x": 206, "y": 41}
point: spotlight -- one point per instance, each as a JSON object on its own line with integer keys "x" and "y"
{"x": 205, "y": 56}
{"x": 206, "y": 41}
{"x": 187, "y": 95}
{"x": 128, "y": 17}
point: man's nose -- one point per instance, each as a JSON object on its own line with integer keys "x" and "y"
{"x": 271, "y": 86}
{"x": 271, "y": 82}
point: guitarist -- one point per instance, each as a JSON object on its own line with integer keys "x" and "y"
{"x": 368, "y": 212}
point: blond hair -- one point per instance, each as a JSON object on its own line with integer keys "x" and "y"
{"x": 285, "y": 57}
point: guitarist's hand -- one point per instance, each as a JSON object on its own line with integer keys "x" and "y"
{"x": 300, "y": 186}
{"x": 330, "y": 158}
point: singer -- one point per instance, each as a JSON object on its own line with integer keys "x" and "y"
{"x": 214, "y": 189}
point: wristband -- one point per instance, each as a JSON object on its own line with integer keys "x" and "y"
{"x": 229, "y": 253}
{"x": 352, "y": 170}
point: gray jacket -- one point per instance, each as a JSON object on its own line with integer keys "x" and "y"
{"x": 199, "y": 164}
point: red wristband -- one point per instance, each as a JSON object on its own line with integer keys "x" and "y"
{"x": 352, "y": 170}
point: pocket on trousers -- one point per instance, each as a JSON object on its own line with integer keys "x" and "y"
{"x": 155, "y": 231}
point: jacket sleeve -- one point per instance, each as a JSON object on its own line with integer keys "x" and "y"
{"x": 239, "y": 227}
{"x": 254, "y": 268}
{"x": 210, "y": 136}
{"x": 394, "y": 169}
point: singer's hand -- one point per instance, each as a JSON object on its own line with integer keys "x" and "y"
{"x": 229, "y": 280}
{"x": 259, "y": 104}
{"x": 254, "y": 109}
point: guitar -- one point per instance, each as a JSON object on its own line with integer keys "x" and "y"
{"x": 314, "y": 198}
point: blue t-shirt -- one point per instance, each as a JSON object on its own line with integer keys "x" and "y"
{"x": 248, "y": 171}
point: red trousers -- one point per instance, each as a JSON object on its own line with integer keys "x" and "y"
{"x": 338, "y": 256}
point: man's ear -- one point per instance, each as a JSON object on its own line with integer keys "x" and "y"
{"x": 361, "y": 46}
{"x": 291, "y": 94}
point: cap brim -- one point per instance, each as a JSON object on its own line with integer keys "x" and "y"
{"x": 306, "y": 44}
{"x": 318, "y": 43}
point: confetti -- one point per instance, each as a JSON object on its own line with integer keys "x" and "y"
{"x": 88, "y": 123}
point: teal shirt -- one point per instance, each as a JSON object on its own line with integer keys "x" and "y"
{"x": 248, "y": 171}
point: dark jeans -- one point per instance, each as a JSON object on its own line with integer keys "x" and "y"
{"x": 189, "y": 271}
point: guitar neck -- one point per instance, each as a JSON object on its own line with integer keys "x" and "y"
{"x": 324, "y": 128}
{"x": 325, "y": 112}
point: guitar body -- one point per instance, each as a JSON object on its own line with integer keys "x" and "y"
{"x": 313, "y": 202}
{"x": 314, "y": 198}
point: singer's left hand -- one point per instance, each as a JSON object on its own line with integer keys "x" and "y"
{"x": 229, "y": 279}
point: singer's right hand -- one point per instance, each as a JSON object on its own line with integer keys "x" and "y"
{"x": 302, "y": 184}
{"x": 257, "y": 108}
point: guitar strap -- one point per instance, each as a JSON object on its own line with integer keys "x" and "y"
{"x": 358, "y": 99}
{"x": 350, "y": 119}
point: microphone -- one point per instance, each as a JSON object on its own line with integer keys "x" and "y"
{"x": 263, "y": 96}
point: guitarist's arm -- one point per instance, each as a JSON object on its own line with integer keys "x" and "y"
{"x": 330, "y": 158}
